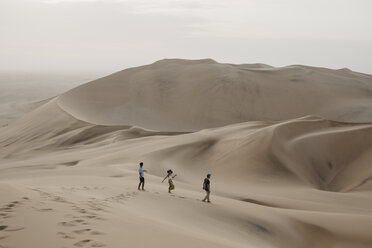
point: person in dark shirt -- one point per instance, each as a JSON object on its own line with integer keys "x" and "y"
{"x": 207, "y": 187}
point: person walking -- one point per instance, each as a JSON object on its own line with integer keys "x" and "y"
{"x": 170, "y": 180}
{"x": 141, "y": 177}
{"x": 207, "y": 187}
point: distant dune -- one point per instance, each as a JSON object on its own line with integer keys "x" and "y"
{"x": 189, "y": 95}
{"x": 290, "y": 164}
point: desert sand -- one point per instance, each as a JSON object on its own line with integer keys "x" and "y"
{"x": 289, "y": 150}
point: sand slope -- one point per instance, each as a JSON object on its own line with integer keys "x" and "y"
{"x": 80, "y": 179}
{"x": 189, "y": 95}
{"x": 302, "y": 182}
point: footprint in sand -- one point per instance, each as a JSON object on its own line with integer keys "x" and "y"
{"x": 82, "y": 231}
{"x": 13, "y": 204}
{"x": 58, "y": 199}
{"x": 3, "y": 237}
{"x": 79, "y": 221}
{"x": 83, "y": 243}
{"x": 65, "y": 235}
{"x": 6, "y": 209}
{"x": 89, "y": 214}
{"x": 73, "y": 223}
{"x": 96, "y": 205}
{"x": 83, "y": 211}
{"x": 64, "y": 223}
{"x": 43, "y": 209}
{"x": 86, "y": 242}
{"x": 4, "y": 216}
{"x": 71, "y": 163}
{"x": 96, "y": 233}
{"x": 51, "y": 197}
{"x": 118, "y": 175}
{"x": 119, "y": 198}
{"x": 71, "y": 216}
{"x": 90, "y": 217}
{"x": 9, "y": 207}
{"x": 98, "y": 244}
{"x": 12, "y": 228}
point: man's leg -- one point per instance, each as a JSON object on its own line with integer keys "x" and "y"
{"x": 207, "y": 196}
{"x": 171, "y": 186}
{"x": 143, "y": 183}
{"x": 139, "y": 185}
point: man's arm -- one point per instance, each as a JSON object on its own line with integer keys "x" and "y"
{"x": 164, "y": 178}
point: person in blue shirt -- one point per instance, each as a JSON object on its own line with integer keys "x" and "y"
{"x": 141, "y": 177}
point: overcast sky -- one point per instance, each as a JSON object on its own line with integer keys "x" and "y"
{"x": 110, "y": 35}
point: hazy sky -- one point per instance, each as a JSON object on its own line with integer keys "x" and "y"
{"x": 110, "y": 35}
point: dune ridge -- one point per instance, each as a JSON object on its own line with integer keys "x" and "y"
{"x": 303, "y": 148}
{"x": 188, "y": 95}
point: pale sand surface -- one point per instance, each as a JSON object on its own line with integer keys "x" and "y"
{"x": 303, "y": 182}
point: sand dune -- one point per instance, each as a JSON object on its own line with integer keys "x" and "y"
{"x": 70, "y": 166}
{"x": 183, "y": 95}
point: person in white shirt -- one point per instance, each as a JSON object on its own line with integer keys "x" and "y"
{"x": 170, "y": 180}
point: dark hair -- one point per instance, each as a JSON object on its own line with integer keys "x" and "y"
{"x": 169, "y": 171}
{"x": 208, "y": 175}
{"x": 141, "y": 164}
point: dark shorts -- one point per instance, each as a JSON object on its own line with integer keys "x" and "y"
{"x": 142, "y": 179}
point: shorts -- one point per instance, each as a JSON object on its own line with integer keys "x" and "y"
{"x": 142, "y": 179}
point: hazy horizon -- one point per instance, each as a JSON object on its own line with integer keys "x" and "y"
{"x": 73, "y": 36}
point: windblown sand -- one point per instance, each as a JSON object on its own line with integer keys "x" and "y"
{"x": 289, "y": 150}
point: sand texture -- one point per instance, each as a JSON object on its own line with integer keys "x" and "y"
{"x": 289, "y": 150}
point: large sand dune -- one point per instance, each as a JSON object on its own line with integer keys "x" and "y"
{"x": 69, "y": 168}
{"x": 183, "y": 95}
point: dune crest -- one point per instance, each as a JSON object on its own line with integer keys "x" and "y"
{"x": 190, "y": 95}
